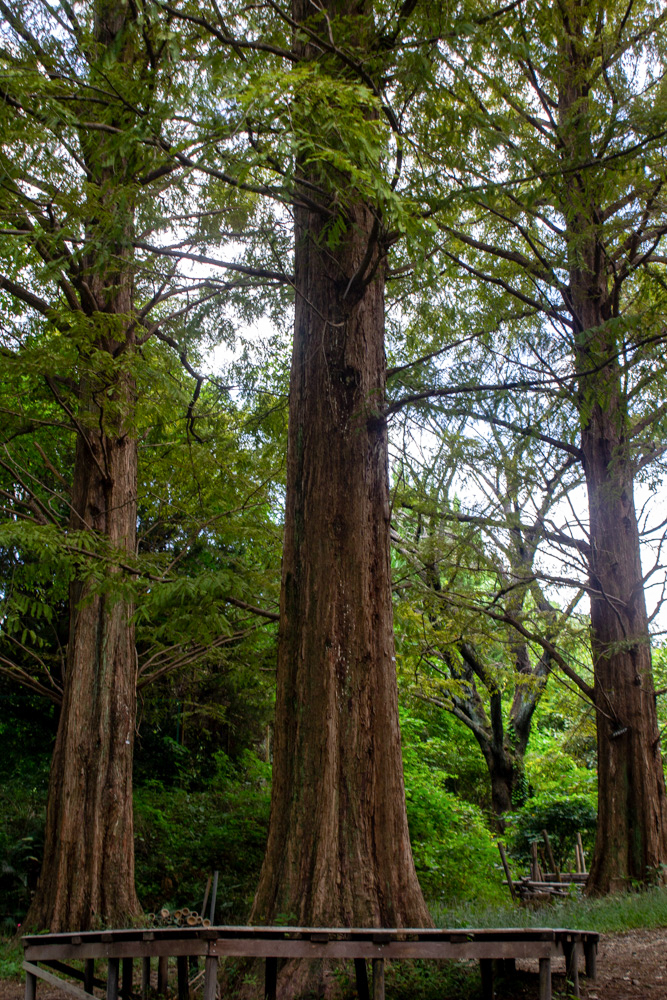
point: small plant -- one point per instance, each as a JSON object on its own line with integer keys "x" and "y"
{"x": 11, "y": 957}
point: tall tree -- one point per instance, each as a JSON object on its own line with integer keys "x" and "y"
{"x": 564, "y": 213}
{"x": 470, "y": 532}
{"x": 89, "y": 177}
{"x": 88, "y": 865}
{"x": 338, "y": 852}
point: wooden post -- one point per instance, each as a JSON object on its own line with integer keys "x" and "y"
{"x": 503, "y": 858}
{"x": 112, "y": 979}
{"x": 210, "y": 977}
{"x": 486, "y": 971}
{"x": 182, "y": 972}
{"x": 534, "y": 873}
{"x": 270, "y": 978}
{"x": 162, "y": 974}
{"x": 89, "y": 975}
{"x": 378, "y": 979}
{"x": 30, "y": 986}
{"x": 126, "y": 988}
{"x": 214, "y": 894}
{"x": 206, "y": 892}
{"x": 145, "y": 976}
{"x": 591, "y": 955}
{"x": 581, "y": 853}
{"x": 545, "y": 979}
{"x": 550, "y": 854}
{"x": 362, "y": 978}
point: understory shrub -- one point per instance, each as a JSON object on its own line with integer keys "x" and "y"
{"x": 562, "y": 816}
{"x": 182, "y": 836}
{"x": 22, "y": 817}
{"x": 454, "y": 851}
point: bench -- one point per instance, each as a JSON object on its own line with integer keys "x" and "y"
{"x": 46, "y": 954}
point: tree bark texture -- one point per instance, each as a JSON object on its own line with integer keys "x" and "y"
{"x": 338, "y": 851}
{"x": 87, "y": 876}
{"x": 631, "y": 840}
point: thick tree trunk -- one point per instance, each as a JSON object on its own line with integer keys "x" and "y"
{"x": 631, "y": 841}
{"x": 87, "y": 874}
{"x": 338, "y": 852}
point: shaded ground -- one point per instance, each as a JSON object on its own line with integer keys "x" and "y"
{"x": 630, "y": 966}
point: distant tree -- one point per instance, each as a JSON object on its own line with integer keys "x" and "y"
{"x": 470, "y": 538}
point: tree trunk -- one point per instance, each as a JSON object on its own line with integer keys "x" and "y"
{"x": 338, "y": 851}
{"x": 503, "y": 748}
{"x": 87, "y": 876}
{"x": 505, "y": 765}
{"x": 631, "y": 839}
{"x": 502, "y": 772}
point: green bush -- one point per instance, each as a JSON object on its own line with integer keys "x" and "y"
{"x": 454, "y": 852}
{"x": 22, "y": 816}
{"x": 11, "y": 958}
{"x": 562, "y": 816}
{"x": 181, "y": 836}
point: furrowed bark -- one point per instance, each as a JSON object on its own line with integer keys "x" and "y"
{"x": 87, "y": 874}
{"x": 338, "y": 852}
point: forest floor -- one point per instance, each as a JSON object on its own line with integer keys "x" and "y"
{"x": 630, "y": 965}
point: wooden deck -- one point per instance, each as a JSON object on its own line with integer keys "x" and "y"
{"x": 47, "y": 954}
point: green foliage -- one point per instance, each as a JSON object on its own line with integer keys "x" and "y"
{"x": 562, "y": 816}
{"x": 27, "y": 727}
{"x": 424, "y": 980}
{"x": 22, "y": 815}
{"x": 11, "y": 958}
{"x": 182, "y": 836}
{"x": 453, "y": 849}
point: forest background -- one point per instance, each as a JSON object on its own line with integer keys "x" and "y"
{"x": 149, "y": 175}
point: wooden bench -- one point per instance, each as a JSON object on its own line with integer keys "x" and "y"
{"x": 46, "y": 954}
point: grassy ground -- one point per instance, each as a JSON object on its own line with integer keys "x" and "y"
{"x": 607, "y": 915}
{"x": 11, "y": 958}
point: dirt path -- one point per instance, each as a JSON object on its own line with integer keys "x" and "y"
{"x": 630, "y": 966}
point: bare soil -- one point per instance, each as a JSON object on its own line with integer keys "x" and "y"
{"x": 629, "y": 966}
{"x": 632, "y": 965}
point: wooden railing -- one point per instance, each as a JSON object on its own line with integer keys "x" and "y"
{"x": 47, "y": 954}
